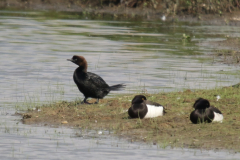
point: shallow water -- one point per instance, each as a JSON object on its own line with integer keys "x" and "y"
{"x": 146, "y": 56}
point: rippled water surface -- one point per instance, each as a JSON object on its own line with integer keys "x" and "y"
{"x": 146, "y": 56}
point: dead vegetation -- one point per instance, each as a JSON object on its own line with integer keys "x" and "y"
{"x": 168, "y": 7}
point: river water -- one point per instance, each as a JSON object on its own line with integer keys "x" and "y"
{"x": 148, "y": 57}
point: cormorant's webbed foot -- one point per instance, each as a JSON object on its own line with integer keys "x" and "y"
{"x": 85, "y": 101}
{"x": 96, "y": 101}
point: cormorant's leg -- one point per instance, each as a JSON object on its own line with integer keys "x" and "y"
{"x": 85, "y": 101}
{"x": 96, "y": 101}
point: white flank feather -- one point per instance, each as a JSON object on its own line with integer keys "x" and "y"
{"x": 154, "y": 111}
{"x": 217, "y": 117}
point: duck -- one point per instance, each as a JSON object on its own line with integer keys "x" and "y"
{"x": 204, "y": 112}
{"x": 89, "y": 84}
{"x": 142, "y": 108}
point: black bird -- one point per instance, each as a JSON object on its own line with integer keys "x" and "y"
{"x": 142, "y": 108}
{"x": 90, "y": 84}
{"x": 205, "y": 113}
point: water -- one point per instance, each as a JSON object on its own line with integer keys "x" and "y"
{"x": 147, "y": 57}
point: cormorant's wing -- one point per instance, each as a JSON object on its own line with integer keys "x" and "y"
{"x": 97, "y": 80}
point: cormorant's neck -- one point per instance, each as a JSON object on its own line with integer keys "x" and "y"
{"x": 83, "y": 69}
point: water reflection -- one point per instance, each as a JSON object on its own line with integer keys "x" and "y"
{"x": 19, "y": 141}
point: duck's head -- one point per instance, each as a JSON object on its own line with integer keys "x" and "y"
{"x": 201, "y": 103}
{"x": 138, "y": 99}
{"x": 80, "y": 61}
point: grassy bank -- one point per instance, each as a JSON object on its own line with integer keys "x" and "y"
{"x": 129, "y": 8}
{"x": 173, "y": 129}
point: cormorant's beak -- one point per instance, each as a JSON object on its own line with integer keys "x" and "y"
{"x": 70, "y": 60}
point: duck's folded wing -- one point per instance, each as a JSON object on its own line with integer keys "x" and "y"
{"x": 152, "y": 103}
{"x": 214, "y": 109}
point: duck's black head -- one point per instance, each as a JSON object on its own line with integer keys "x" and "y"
{"x": 80, "y": 61}
{"x": 201, "y": 103}
{"x": 138, "y": 99}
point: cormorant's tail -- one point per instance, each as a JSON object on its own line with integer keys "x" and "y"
{"x": 117, "y": 87}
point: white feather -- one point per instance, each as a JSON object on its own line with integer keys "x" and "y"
{"x": 163, "y": 18}
{"x": 217, "y": 117}
{"x": 218, "y": 97}
{"x": 154, "y": 111}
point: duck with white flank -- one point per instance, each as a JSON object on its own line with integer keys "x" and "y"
{"x": 205, "y": 113}
{"x": 90, "y": 84}
{"x": 142, "y": 108}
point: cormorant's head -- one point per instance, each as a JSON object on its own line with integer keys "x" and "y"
{"x": 80, "y": 61}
